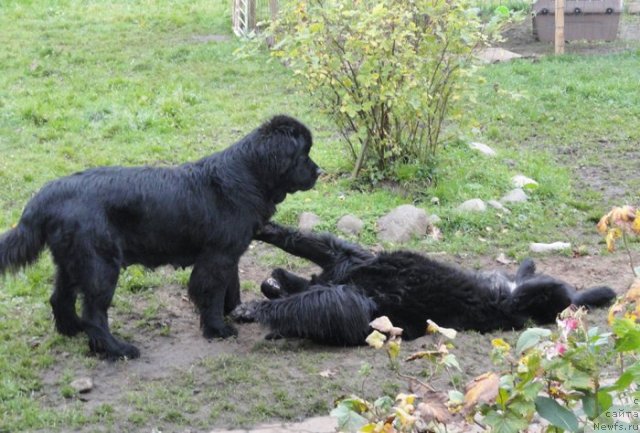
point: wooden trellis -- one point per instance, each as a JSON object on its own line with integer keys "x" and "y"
{"x": 248, "y": 14}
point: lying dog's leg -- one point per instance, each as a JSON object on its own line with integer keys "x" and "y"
{"x": 98, "y": 284}
{"x": 526, "y": 270}
{"x": 283, "y": 283}
{"x": 593, "y": 297}
{"x": 212, "y": 277}
{"x": 324, "y": 250}
{"x": 63, "y": 303}
{"x": 336, "y": 315}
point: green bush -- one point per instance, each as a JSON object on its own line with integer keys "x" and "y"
{"x": 387, "y": 72}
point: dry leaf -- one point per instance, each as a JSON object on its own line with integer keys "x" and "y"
{"x": 433, "y": 408}
{"x": 328, "y": 373}
{"x": 382, "y": 324}
{"x": 483, "y": 389}
{"x": 633, "y": 294}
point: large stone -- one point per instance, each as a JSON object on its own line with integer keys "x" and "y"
{"x": 516, "y": 195}
{"x": 307, "y": 221}
{"x": 350, "y": 224}
{"x": 473, "y": 205}
{"x": 402, "y": 223}
{"x": 482, "y": 148}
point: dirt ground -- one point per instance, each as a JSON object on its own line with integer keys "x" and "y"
{"x": 168, "y": 356}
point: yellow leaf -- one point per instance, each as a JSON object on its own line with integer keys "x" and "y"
{"x": 603, "y": 224}
{"x": 406, "y": 420}
{"x": 405, "y": 399}
{"x": 635, "y": 227}
{"x": 612, "y": 235}
{"x": 500, "y": 344}
{"x": 483, "y": 389}
{"x": 376, "y": 339}
{"x": 393, "y": 349}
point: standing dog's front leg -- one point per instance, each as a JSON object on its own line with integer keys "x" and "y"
{"x": 213, "y": 276}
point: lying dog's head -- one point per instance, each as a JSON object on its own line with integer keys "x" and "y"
{"x": 281, "y": 158}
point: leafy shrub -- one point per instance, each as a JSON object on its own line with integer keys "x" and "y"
{"x": 388, "y": 72}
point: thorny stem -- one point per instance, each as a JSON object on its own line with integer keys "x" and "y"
{"x": 626, "y": 247}
{"x": 407, "y": 377}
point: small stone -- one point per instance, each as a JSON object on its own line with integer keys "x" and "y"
{"x": 473, "y": 205}
{"x": 307, "y": 221}
{"x": 521, "y": 181}
{"x": 538, "y": 247}
{"x": 503, "y": 260}
{"x": 434, "y": 219}
{"x": 497, "y": 205}
{"x": 482, "y": 148}
{"x": 350, "y": 225}
{"x": 82, "y": 384}
{"x": 515, "y": 196}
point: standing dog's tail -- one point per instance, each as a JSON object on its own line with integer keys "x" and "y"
{"x": 19, "y": 247}
{"x": 594, "y": 297}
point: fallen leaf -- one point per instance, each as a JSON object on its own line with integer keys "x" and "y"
{"x": 382, "y": 324}
{"x": 433, "y": 408}
{"x": 328, "y": 373}
{"x": 483, "y": 389}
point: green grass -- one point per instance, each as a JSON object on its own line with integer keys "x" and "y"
{"x": 88, "y": 83}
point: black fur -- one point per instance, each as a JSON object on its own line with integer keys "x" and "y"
{"x": 203, "y": 213}
{"x": 355, "y": 287}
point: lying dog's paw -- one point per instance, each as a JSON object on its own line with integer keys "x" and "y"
{"x": 245, "y": 312}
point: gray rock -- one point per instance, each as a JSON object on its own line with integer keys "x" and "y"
{"x": 350, "y": 224}
{"x": 307, "y": 221}
{"x": 516, "y": 195}
{"x": 434, "y": 219}
{"x": 520, "y": 181}
{"x": 473, "y": 205}
{"x": 497, "y": 205}
{"x": 82, "y": 384}
{"x": 482, "y": 148}
{"x": 537, "y": 247}
{"x": 402, "y": 223}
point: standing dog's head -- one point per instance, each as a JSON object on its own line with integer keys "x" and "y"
{"x": 280, "y": 149}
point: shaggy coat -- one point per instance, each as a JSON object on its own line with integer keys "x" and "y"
{"x": 202, "y": 213}
{"x": 356, "y": 286}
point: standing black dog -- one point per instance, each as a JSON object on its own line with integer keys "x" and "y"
{"x": 203, "y": 214}
{"x": 356, "y": 286}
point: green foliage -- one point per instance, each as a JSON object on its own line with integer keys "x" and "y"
{"x": 554, "y": 374}
{"x": 387, "y": 72}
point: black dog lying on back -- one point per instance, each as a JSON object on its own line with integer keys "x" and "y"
{"x": 203, "y": 213}
{"x": 356, "y": 286}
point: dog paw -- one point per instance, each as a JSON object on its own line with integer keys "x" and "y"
{"x": 273, "y": 336}
{"x": 225, "y": 331}
{"x": 271, "y": 288}
{"x": 245, "y": 312}
{"x": 69, "y": 327}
